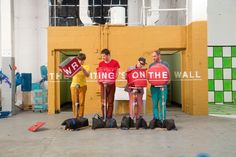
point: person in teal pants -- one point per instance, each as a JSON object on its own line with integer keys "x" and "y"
{"x": 157, "y": 97}
{"x": 156, "y": 92}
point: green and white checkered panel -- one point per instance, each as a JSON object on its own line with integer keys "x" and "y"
{"x": 221, "y": 74}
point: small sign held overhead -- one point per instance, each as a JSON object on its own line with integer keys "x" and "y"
{"x": 70, "y": 66}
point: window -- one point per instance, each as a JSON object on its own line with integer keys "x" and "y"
{"x": 66, "y": 12}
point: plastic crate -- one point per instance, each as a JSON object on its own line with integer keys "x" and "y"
{"x": 40, "y": 93}
{"x": 36, "y": 86}
{"x": 4, "y": 114}
{"x": 40, "y": 107}
{"x": 40, "y": 100}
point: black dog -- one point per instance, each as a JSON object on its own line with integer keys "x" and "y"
{"x": 75, "y": 123}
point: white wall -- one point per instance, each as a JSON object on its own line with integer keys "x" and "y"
{"x": 197, "y": 10}
{"x": 31, "y": 21}
{"x": 221, "y": 15}
{"x": 43, "y": 23}
{"x": 181, "y": 15}
{"x": 134, "y": 12}
{"x": 221, "y": 22}
{"x": 172, "y": 17}
{"x": 166, "y": 18}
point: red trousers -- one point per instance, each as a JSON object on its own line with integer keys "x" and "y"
{"x": 110, "y": 93}
{"x": 139, "y": 104}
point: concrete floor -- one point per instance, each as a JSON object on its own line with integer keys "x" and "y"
{"x": 213, "y": 135}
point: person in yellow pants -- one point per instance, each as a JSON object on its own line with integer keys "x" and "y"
{"x": 79, "y": 79}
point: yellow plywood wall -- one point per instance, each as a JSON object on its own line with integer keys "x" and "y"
{"x": 126, "y": 43}
{"x": 85, "y": 38}
{"x": 195, "y": 93}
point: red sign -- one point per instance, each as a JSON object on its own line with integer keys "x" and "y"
{"x": 36, "y": 126}
{"x": 137, "y": 77}
{"x": 106, "y": 75}
{"x": 158, "y": 75}
{"x": 70, "y": 66}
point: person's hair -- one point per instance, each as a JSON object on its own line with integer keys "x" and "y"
{"x": 106, "y": 52}
{"x": 81, "y": 56}
{"x": 158, "y": 52}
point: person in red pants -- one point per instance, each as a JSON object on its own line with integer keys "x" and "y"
{"x": 139, "y": 91}
{"x": 108, "y": 62}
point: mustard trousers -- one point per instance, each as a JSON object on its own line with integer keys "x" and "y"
{"x": 80, "y": 97}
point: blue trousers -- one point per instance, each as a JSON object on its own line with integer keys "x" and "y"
{"x": 156, "y": 98}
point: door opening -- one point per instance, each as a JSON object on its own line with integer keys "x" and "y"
{"x": 174, "y": 88}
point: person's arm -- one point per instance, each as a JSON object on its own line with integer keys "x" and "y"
{"x": 85, "y": 71}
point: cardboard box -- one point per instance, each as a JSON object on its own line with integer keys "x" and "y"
{"x": 26, "y": 98}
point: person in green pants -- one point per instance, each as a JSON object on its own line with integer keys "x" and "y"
{"x": 156, "y": 92}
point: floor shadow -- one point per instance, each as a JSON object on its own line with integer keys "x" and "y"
{"x": 42, "y": 129}
{"x": 66, "y": 107}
